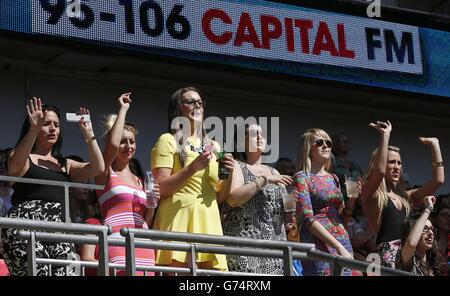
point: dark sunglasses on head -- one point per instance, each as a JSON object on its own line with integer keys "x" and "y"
{"x": 320, "y": 142}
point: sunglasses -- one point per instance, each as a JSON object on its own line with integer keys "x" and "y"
{"x": 320, "y": 142}
{"x": 193, "y": 102}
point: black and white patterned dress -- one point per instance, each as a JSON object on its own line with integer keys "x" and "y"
{"x": 260, "y": 218}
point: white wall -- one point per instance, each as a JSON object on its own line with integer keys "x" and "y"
{"x": 149, "y": 106}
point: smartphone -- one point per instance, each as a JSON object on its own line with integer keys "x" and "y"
{"x": 74, "y": 117}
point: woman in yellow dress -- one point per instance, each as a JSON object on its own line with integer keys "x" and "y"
{"x": 185, "y": 166}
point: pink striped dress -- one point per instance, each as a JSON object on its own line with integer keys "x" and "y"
{"x": 124, "y": 205}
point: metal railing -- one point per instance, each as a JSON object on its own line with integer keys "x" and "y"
{"x": 66, "y": 186}
{"x": 100, "y": 231}
{"x": 34, "y": 230}
{"x": 186, "y": 242}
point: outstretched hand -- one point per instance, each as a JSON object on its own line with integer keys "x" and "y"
{"x": 35, "y": 114}
{"x": 124, "y": 101}
{"x": 382, "y": 127}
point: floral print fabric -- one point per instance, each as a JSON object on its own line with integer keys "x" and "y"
{"x": 319, "y": 199}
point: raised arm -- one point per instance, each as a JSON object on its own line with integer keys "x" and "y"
{"x": 114, "y": 136}
{"x": 369, "y": 202}
{"x": 376, "y": 176}
{"x": 306, "y": 214}
{"x": 81, "y": 171}
{"x": 410, "y": 245}
{"x": 18, "y": 158}
{"x": 437, "y": 179}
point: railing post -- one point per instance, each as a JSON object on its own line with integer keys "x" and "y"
{"x": 288, "y": 262}
{"x": 32, "y": 270}
{"x": 66, "y": 204}
{"x": 193, "y": 261}
{"x": 336, "y": 268}
{"x": 130, "y": 255}
{"x": 103, "y": 262}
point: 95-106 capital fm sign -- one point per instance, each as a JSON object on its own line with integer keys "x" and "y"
{"x": 234, "y": 29}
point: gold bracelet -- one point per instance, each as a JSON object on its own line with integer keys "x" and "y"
{"x": 89, "y": 140}
{"x": 437, "y": 164}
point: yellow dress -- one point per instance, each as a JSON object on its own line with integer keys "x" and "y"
{"x": 194, "y": 207}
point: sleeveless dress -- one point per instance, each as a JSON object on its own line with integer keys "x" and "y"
{"x": 319, "y": 199}
{"x": 193, "y": 208}
{"x": 37, "y": 202}
{"x": 388, "y": 238}
{"x": 262, "y": 217}
{"x": 124, "y": 205}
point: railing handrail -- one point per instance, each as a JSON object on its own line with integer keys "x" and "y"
{"x": 66, "y": 185}
{"x": 51, "y": 183}
{"x": 311, "y": 253}
{"x": 213, "y": 239}
{"x": 284, "y": 249}
{"x": 19, "y": 223}
{"x": 146, "y": 243}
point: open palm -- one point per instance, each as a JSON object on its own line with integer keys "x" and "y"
{"x": 35, "y": 114}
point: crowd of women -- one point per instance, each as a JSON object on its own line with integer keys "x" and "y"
{"x": 384, "y": 217}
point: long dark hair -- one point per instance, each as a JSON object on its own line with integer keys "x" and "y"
{"x": 174, "y": 111}
{"x": 433, "y": 262}
{"x": 56, "y": 149}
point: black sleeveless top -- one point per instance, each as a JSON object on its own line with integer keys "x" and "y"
{"x": 25, "y": 192}
{"x": 391, "y": 221}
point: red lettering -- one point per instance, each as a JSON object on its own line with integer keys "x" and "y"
{"x": 288, "y": 24}
{"x": 206, "y": 25}
{"x": 324, "y": 41}
{"x": 246, "y": 25}
{"x": 267, "y": 34}
{"x": 304, "y": 26}
{"x": 343, "y": 51}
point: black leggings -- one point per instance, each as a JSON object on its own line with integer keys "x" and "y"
{"x": 15, "y": 249}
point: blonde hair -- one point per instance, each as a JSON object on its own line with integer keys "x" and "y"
{"x": 381, "y": 193}
{"x": 108, "y": 123}
{"x": 304, "y": 154}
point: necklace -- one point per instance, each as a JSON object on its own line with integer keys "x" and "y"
{"x": 195, "y": 148}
